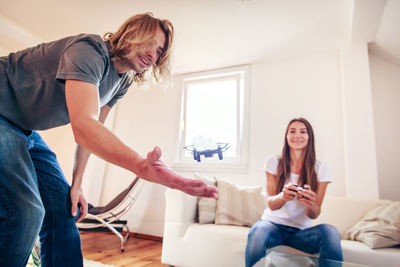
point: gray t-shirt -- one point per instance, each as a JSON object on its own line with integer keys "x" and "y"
{"x": 32, "y": 81}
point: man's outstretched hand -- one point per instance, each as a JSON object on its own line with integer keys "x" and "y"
{"x": 155, "y": 170}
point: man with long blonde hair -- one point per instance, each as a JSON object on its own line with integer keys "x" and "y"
{"x": 75, "y": 80}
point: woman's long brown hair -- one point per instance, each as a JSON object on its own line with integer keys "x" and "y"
{"x": 308, "y": 174}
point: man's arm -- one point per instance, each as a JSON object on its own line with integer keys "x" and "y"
{"x": 81, "y": 158}
{"x": 83, "y": 108}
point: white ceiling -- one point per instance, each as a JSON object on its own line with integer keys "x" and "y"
{"x": 214, "y": 33}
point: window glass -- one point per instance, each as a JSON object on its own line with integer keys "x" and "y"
{"x": 213, "y": 115}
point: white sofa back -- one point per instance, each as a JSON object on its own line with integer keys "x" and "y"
{"x": 343, "y": 212}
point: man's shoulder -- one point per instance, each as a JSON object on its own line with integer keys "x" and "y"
{"x": 86, "y": 48}
{"x": 88, "y": 39}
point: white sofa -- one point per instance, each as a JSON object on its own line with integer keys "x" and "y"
{"x": 190, "y": 244}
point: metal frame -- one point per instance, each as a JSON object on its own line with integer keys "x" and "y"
{"x": 107, "y": 218}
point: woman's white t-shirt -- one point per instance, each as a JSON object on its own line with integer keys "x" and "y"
{"x": 292, "y": 213}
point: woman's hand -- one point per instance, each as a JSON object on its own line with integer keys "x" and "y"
{"x": 289, "y": 192}
{"x": 309, "y": 199}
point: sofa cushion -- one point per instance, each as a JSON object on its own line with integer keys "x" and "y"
{"x": 215, "y": 245}
{"x": 358, "y": 252}
{"x": 237, "y": 205}
{"x": 379, "y": 228}
{"x": 206, "y": 206}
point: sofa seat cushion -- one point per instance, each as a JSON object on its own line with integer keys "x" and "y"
{"x": 208, "y": 239}
{"x": 211, "y": 237}
{"x": 358, "y": 252}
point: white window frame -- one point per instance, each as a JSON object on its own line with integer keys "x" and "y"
{"x": 237, "y": 164}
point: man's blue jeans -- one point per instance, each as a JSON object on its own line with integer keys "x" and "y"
{"x": 322, "y": 239}
{"x": 34, "y": 198}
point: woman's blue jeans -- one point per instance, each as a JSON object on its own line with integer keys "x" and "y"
{"x": 322, "y": 239}
{"x": 34, "y": 199}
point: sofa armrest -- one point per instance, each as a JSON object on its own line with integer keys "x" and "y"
{"x": 180, "y": 207}
{"x": 180, "y": 213}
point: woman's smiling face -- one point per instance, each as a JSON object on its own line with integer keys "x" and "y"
{"x": 297, "y": 136}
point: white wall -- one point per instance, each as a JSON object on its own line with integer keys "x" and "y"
{"x": 359, "y": 133}
{"x": 385, "y": 77}
{"x": 306, "y": 86}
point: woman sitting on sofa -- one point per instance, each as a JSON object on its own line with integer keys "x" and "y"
{"x": 296, "y": 185}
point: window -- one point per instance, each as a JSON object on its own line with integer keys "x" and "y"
{"x": 214, "y": 115}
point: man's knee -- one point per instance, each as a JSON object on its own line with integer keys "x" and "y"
{"x": 29, "y": 215}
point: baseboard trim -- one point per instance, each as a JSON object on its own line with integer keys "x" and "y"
{"x": 145, "y": 236}
{"x": 131, "y": 234}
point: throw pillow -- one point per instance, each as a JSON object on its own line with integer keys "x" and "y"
{"x": 206, "y": 206}
{"x": 379, "y": 228}
{"x": 237, "y": 205}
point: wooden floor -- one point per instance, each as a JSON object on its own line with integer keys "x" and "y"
{"x": 105, "y": 247}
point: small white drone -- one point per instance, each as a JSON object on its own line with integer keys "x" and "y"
{"x": 208, "y": 153}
